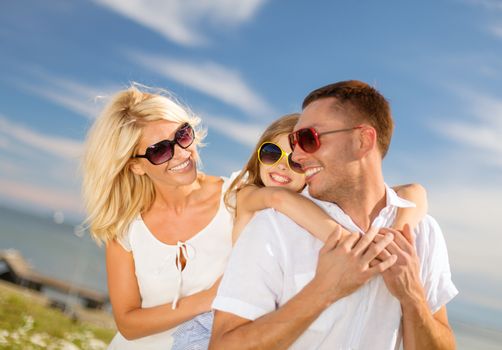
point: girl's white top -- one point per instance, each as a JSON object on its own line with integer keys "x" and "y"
{"x": 158, "y": 268}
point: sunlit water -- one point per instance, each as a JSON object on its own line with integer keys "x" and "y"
{"x": 54, "y": 249}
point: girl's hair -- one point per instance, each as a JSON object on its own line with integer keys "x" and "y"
{"x": 250, "y": 174}
{"x": 113, "y": 194}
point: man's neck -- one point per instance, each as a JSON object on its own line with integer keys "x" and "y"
{"x": 365, "y": 202}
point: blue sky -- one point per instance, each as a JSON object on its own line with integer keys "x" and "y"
{"x": 242, "y": 63}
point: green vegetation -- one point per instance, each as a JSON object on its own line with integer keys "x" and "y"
{"x": 27, "y": 324}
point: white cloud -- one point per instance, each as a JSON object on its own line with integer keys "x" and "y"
{"x": 489, "y": 4}
{"x": 466, "y": 202}
{"x": 58, "y": 169}
{"x": 480, "y": 133}
{"x": 469, "y": 216}
{"x": 9, "y": 168}
{"x": 496, "y": 30}
{"x": 79, "y": 98}
{"x": 67, "y": 99}
{"x": 246, "y": 134}
{"x": 4, "y": 143}
{"x": 212, "y": 79}
{"x": 474, "y": 134}
{"x": 466, "y": 207}
{"x": 44, "y": 197}
{"x": 59, "y": 146}
{"x": 179, "y": 20}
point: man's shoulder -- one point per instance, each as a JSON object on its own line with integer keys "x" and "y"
{"x": 428, "y": 226}
{"x": 429, "y": 236}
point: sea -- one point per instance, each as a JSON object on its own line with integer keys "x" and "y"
{"x": 61, "y": 249}
{"x": 54, "y": 247}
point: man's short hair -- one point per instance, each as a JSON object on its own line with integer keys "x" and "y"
{"x": 367, "y": 104}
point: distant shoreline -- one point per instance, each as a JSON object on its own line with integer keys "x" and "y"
{"x": 45, "y": 215}
{"x": 56, "y": 250}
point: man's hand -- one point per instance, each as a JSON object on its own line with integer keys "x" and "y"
{"x": 344, "y": 263}
{"x": 402, "y": 278}
{"x": 421, "y": 328}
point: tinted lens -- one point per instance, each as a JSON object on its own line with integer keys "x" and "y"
{"x": 185, "y": 136}
{"x": 307, "y": 140}
{"x": 160, "y": 152}
{"x": 270, "y": 153}
{"x": 296, "y": 167}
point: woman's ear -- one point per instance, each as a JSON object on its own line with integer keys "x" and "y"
{"x": 136, "y": 167}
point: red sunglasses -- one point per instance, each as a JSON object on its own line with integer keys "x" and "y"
{"x": 163, "y": 151}
{"x": 309, "y": 139}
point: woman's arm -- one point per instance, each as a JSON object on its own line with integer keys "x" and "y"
{"x": 132, "y": 320}
{"x": 412, "y": 216}
{"x": 299, "y": 208}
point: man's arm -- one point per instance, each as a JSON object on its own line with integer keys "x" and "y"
{"x": 342, "y": 268}
{"x": 424, "y": 330}
{"x": 276, "y": 330}
{"x": 421, "y": 328}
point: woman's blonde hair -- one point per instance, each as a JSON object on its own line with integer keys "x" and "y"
{"x": 113, "y": 194}
{"x": 250, "y": 174}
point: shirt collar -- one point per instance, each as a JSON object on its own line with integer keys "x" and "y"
{"x": 392, "y": 200}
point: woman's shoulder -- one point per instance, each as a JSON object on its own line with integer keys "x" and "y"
{"x": 211, "y": 179}
{"x": 210, "y": 183}
{"x": 219, "y": 181}
{"x": 135, "y": 227}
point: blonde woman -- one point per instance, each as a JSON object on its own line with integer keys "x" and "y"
{"x": 166, "y": 229}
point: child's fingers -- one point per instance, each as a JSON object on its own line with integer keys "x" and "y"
{"x": 332, "y": 240}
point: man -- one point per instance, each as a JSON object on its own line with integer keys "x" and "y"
{"x": 374, "y": 290}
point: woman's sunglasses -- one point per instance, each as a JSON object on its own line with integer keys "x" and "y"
{"x": 163, "y": 151}
{"x": 309, "y": 139}
{"x": 269, "y": 154}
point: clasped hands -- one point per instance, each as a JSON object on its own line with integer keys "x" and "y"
{"x": 348, "y": 260}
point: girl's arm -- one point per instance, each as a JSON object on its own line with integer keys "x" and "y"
{"x": 132, "y": 320}
{"x": 412, "y": 216}
{"x": 300, "y": 209}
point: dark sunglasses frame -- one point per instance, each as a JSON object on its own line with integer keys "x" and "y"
{"x": 169, "y": 144}
{"x": 294, "y": 137}
{"x": 283, "y": 153}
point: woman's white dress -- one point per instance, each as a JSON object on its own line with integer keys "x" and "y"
{"x": 159, "y": 274}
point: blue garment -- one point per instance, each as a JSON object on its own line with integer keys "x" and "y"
{"x": 194, "y": 334}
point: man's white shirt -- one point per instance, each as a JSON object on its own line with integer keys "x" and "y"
{"x": 275, "y": 258}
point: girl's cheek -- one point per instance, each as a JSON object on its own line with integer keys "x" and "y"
{"x": 263, "y": 175}
{"x": 298, "y": 183}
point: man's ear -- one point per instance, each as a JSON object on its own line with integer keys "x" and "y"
{"x": 367, "y": 140}
{"x": 136, "y": 167}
